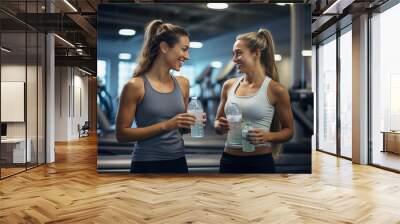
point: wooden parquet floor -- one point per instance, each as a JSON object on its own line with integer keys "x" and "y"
{"x": 71, "y": 191}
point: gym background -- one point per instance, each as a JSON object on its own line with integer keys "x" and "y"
{"x": 120, "y": 38}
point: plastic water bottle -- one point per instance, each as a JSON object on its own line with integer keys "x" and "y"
{"x": 246, "y": 145}
{"x": 195, "y": 107}
{"x": 234, "y": 117}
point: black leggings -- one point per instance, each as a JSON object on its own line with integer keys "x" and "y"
{"x": 160, "y": 166}
{"x": 247, "y": 164}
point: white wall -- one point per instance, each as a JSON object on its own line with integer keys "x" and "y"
{"x": 33, "y": 127}
{"x": 71, "y": 102}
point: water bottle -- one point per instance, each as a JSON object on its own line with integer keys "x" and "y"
{"x": 195, "y": 108}
{"x": 234, "y": 117}
{"x": 246, "y": 145}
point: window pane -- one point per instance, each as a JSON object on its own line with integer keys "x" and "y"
{"x": 385, "y": 84}
{"x": 101, "y": 70}
{"x": 14, "y": 153}
{"x": 327, "y": 96}
{"x": 345, "y": 94}
{"x": 125, "y": 72}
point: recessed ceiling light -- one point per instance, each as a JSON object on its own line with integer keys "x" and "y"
{"x": 306, "y": 53}
{"x": 283, "y": 4}
{"x": 127, "y": 32}
{"x": 278, "y": 57}
{"x": 125, "y": 56}
{"x": 217, "y": 5}
{"x": 216, "y": 64}
{"x": 195, "y": 44}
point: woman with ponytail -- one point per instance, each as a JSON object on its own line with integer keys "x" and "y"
{"x": 262, "y": 100}
{"x": 157, "y": 102}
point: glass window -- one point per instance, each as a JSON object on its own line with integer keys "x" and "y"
{"x": 385, "y": 88}
{"x": 14, "y": 150}
{"x": 101, "y": 70}
{"x": 327, "y": 96}
{"x": 189, "y": 72}
{"x": 346, "y": 94}
{"x": 22, "y": 83}
{"x": 125, "y": 72}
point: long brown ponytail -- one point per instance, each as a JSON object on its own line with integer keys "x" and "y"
{"x": 156, "y": 32}
{"x": 263, "y": 41}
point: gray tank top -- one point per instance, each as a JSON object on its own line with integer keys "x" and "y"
{"x": 256, "y": 108}
{"x": 156, "y": 107}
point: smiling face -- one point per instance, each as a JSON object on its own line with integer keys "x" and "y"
{"x": 244, "y": 59}
{"x": 175, "y": 56}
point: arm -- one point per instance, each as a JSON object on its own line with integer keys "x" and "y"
{"x": 221, "y": 124}
{"x": 131, "y": 95}
{"x": 283, "y": 111}
{"x": 184, "y": 86}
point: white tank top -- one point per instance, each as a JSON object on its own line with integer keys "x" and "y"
{"x": 255, "y": 108}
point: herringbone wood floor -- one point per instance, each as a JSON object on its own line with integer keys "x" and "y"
{"x": 71, "y": 191}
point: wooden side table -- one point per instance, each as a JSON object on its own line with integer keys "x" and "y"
{"x": 391, "y": 141}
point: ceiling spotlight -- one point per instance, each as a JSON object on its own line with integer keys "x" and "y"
{"x": 125, "y": 56}
{"x": 278, "y": 57}
{"x": 195, "y": 44}
{"x": 306, "y": 53}
{"x": 283, "y": 4}
{"x": 127, "y": 32}
{"x": 216, "y": 64}
{"x": 217, "y": 5}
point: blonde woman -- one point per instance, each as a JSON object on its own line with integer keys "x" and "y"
{"x": 157, "y": 101}
{"x": 262, "y": 100}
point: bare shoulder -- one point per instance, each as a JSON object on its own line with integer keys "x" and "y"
{"x": 183, "y": 81}
{"x": 134, "y": 88}
{"x": 229, "y": 83}
{"x": 277, "y": 89}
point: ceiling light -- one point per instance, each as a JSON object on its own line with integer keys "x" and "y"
{"x": 306, "y": 53}
{"x": 5, "y": 50}
{"x": 278, "y": 57}
{"x": 335, "y": 7}
{"x": 216, "y": 64}
{"x": 70, "y": 5}
{"x": 84, "y": 71}
{"x": 196, "y": 45}
{"x": 124, "y": 56}
{"x": 283, "y": 4}
{"x": 217, "y": 5}
{"x": 65, "y": 41}
{"x": 126, "y": 32}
